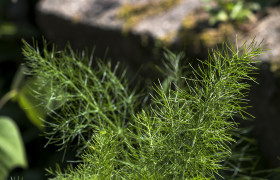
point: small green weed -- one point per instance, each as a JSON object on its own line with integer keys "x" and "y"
{"x": 236, "y": 11}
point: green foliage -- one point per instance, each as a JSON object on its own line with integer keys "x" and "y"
{"x": 100, "y": 160}
{"x": 230, "y": 10}
{"x": 23, "y": 92}
{"x": 88, "y": 100}
{"x": 187, "y": 132}
{"x": 12, "y": 153}
{"x": 30, "y": 104}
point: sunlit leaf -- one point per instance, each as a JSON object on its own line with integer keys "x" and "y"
{"x": 236, "y": 10}
{"x": 222, "y": 16}
{"x": 12, "y": 153}
{"x": 30, "y": 104}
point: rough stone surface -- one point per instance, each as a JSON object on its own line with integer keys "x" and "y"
{"x": 171, "y": 21}
{"x": 268, "y": 31}
{"x": 86, "y": 23}
{"x": 93, "y": 12}
{"x": 103, "y": 14}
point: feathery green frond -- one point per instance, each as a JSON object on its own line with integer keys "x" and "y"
{"x": 186, "y": 134}
{"x": 82, "y": 94}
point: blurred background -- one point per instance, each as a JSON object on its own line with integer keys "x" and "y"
{"x": 134, "y": 33}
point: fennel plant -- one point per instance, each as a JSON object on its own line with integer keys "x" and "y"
{"x": 185, "y": 133}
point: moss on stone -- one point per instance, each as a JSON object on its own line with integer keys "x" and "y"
{"x": 213, "y": 36}
{"x": 134, "y": 13}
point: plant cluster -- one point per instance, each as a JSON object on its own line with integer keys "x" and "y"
{"x": 186, "y": 132}
{"x": 231, "y": 10}
{"x": 88, "y": 100}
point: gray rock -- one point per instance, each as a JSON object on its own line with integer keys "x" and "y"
{"x": 267, "y": 30}
{"x": 168, "y": 22}
{"x": 86, "y": 23}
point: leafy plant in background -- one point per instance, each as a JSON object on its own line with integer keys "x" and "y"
{"x": 236, "y": 11}
{"x": 12, "y": 149}
{"x": 12, "y": 152}
{"x": 20, "y": 91}
{"x": 187, "y": 131}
